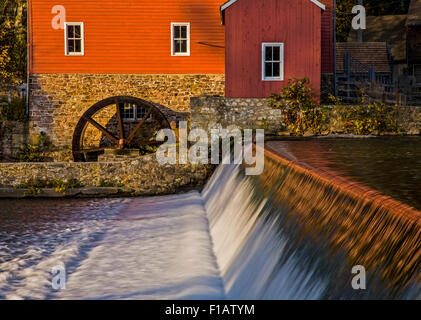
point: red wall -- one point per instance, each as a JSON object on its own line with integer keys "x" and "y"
{"x": 130, "y": 36}
{"x": 327, "y": 37}
{"x": 248, "y": 23}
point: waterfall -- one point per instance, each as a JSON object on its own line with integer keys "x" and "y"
{"x": 292, "y": 233}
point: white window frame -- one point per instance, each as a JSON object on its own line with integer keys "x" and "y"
{"x": 180, "y": 24}
{"x": 281, "y": 62}
{"x": 82, "y": 34}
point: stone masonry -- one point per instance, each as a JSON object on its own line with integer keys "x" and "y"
{"x": 13, "y": 135}
{"x": 212, "y": 112}
{"x": 144, "y": 175}
{"x": 58, "y": 101}
{"x": 215, "y": 112}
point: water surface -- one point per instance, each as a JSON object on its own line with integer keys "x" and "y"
{"x": 281, "y": 235}
{"x": 391, "y": 165}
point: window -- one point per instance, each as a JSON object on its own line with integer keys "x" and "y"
{"x": 273, "y": 61}
{"x": 180, "y": 39}
{"x": 74, "y": 38}
{"x": 132, "y": 112}
{"x": 141, "y": 112}
{"x": 129, "y": 112}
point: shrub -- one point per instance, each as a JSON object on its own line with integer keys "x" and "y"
{"x": 15, "y": 110}
{"x": 29, "y": 153}
{"x": 106, "y": 183}
{"x": 300, "y": 107}
{"x": 376, "y": 118}
{"x": 34, "y": 185}
{"x": 34, "y": 152}
{"x": 147, "y": 149}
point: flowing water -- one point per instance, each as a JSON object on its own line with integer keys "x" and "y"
{"x": 287, "y": 234}
{"x": 36, "y": 235}
{"x": 143, "y": 248}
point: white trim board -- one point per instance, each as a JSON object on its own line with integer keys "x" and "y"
{"x": 82, "y": 42}
{"x": 186, "y": 54}
{"x": 281, "y": 62}
{"x": 229, "y": 3}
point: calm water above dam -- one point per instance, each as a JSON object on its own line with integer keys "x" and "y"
{"x": 282, "y": 235}
{"x": 391, "y": 165}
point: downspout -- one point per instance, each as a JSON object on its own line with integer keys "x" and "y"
{"x": 335, "y": 85}
{"x": 28, "y": 50}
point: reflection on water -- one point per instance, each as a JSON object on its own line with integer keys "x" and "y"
{"x": 391, "y": 165}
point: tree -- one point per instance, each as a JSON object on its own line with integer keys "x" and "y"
{"x": 12, "y": 41}
{"x": 374, "y": 8}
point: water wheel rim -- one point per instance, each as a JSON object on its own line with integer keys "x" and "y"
{"x": 87, "y": 118}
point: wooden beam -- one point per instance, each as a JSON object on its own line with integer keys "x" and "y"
{"x": 102, "y": 129}
{"x": 139, "y": 125}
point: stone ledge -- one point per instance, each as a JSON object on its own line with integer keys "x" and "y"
{"x": 71, "y": 193}
{"x": 141, "y": 177}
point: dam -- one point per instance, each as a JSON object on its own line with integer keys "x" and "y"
{"x": 294, "y": 232}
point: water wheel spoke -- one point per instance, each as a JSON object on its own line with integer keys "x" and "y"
{"x": 139, "y": 125}
{"x": 120, "y": 106}
{"x": 120, "y": 139}
{"x": 102, "y": 129}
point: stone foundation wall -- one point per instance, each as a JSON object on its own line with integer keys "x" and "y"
{"x": 13, "y": 135}
{"x": 210, "y": 112}
{"x": 144, "y": 175}
{"x": 57, "y": 101}
{"x": 213, "y": 112}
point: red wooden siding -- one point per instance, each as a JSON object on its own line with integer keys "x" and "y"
{"x": 248, "y": 23}
{"x": 327, "y": 37}
{"x": 131, "y": 36}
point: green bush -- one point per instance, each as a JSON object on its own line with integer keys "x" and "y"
{"x": 34, "y": 152}
{"x": 300, "y": 107}
{"x": 107, "y": 183}
{"x": 376, "y": 118}
{"x": 29, "y": 153}
{"x": 34, "y": 186}
{"x": 15, "y": 110}
{"x": 146, "y": 149}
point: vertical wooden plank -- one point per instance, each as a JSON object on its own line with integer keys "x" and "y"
{"x": 249, "y": 23}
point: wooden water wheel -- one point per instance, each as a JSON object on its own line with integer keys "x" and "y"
{"x": 117, "y": 123}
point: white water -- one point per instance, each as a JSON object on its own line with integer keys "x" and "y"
{"x": 27, "y": 256}
{"x": 264, "y": 252}
{"x": 228, "y": 242}
{"x": 148, "y": 248}
{"x": 158, "y": 248}
{"x": 248, "y": 248}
